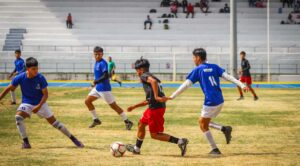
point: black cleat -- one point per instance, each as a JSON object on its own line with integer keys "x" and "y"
{"x": 130, "y": 148}
{"x": 241, "y": 98}
{"x": 183, "y": 146}
{"x": 255, "y": 98}
{"x": 76, "y": 142}
{"x": 215, "y": 152}
{"x": 13, "y": 103}
{"x": 227, "y": 132}
{"x": 120, "y": 83}
{"x": 26, "y": 145}
{"x": 128, "y": 124}
{"x": 95, "y": 123}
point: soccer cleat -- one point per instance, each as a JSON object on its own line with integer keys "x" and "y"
{"x": 183, "y": 146}
{"x": 13, "y": 103}
{"x": 128, "y": 124}
{"x": 215, "y": 152}
{"x": 76, "y": 142}
{"x": 227, "y": 132}
{"x": 130, "y": 148}
{"x": 95, "y": 123}
{"x": 120, "y": 83}
{"x": 26, "y": 146}
{"x": 241, "y": 98}
{"x": 255, "y": 98}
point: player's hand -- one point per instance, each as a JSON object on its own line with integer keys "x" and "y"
{"x": 246, "y": 89}
{"x": 129, "y": 109}
{"x": 162, "y": 99}
{"x": 10, "y": 76}
{"x": 93, "y": 84}
{"x": 36, "y": 109}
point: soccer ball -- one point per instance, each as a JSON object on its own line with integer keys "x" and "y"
{"x": 117, "y": 149}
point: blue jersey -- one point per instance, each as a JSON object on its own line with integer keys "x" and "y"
{"x": 31, "y": 87}
{"x": 208, "y": 76}
{"x": 20, "y": 65}
{"x": 99, "y": 69}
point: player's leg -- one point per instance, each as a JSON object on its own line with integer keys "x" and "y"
{"x": 241, "y": 93}
{"x": 252, "y": 91}
{"x": 136, "y": 149}
{"x": 93, "y": 95}
{"x": 20, "y": 117}
{"x": 204, "y": 124}
{"x": 225, "y": 129}
{"x": 61, "y": 127}
{"x": 122, "y": 114}
{"x": 13, "y": 97}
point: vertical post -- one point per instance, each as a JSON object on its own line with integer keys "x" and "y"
{"x": 233, "y": 38}
{"x": 174, "y": 67}
{"x": 268, "y": 40}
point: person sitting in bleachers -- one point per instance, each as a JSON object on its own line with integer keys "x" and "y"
{"x": 204, "y": 6}
{"x": 69, "y": 21}
{"x": 165, "y": 3}
{"x": 190, "y": 10}
{"x": 226, "y": 9}
{"x": 184, "y": 5}
{"x": 174, "y": 9}
{"x": 148, "y": 21}
{"x": 251, "y": 3}
{"x": 260, "y": 4}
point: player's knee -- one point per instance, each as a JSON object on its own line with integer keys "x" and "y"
{"x": 153, "y": 135}
{"x": 19, "y": 119}
{"x": 87, "y": 102}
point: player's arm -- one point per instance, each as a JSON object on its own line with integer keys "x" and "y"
{"x": 102, "y": 78}
{"x": 141, "y": 104}
{"x": 43, "y": 100}
{"x": 154, "y": 85}
{"x": 184, "y": 86}
{"x": 7, "y": 90}
{"x": 235, "y": 81}
{"x": 12, "y": 73}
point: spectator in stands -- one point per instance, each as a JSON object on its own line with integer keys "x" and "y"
{"x": 251, "y": 3}
{"x": 260, "y": 4}
{"x": 190, "y": 10}
{"x": 226, "y": 8}
{"x": 165, "y": 3}
{"x": 184, "y": 5}
{"x": 176, "y": 3}
{"x": 288, "y": 2}
{"x": 69, "y": 21}
{"x": 296, "y": 6}
{"x": 291, "y": 19}
{"x": 174, "y": 9}
{"x": 204, "y": 6}
{"x": 148, "y": 21}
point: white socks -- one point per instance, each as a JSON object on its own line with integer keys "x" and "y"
{"x": 210, "y": 139}
{"x": 21, "y": 126}
{"x": 13, "y": 96}
{"x": 215, "y": 126}
{"x": 123, "y": 115}
{"x": 62, "y": 128}
{"x": 94, "y": 114}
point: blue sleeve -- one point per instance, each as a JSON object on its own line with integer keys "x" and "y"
{"x": 220, "y": 70}
{"x": 193, "y": 76}
{"x": 24, "y": 66}
{"x": 16, "y": 81}
{"x": 44, "y": 83}
{"x": 104, "y": 67}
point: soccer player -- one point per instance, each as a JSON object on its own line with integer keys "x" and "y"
{"x": 245, "y": 76}
{"x": 208, "y": 77}
{"x": 19, "y": 68}
{"x": 102, "y": 89}
{"x": 111, "y": 71}
{"x": 154, "y": 114}
{"x": 34, "y": 97}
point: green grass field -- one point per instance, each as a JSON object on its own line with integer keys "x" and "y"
{"x": 265, "y": 132}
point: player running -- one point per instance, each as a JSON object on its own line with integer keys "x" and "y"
{"x": 19, "y": 68}
{"x": 111, "y": 71}
{"x": 208, "y": 77}
{"x": 245, "y": 76}
{"x": 154, "y": 114}
{"x": 34, "y": 97}
{"x": 102, "y": 89}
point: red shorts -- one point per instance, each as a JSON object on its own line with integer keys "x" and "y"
{"x": 155, "y": 119}
{"x": 246, "y": 79}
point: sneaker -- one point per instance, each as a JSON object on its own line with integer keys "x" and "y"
{"x": 130, "y": 148}
{"x": 183, "y": 146}
{"x": 241, "y": 98}
{"x": 120, "y": 83}
{"x": 255, "y": 98}
{"x": 227, "y": 132}
{"x": 215, "y": 152}
{"x": 76, "y": 142}
{"x": 95, "y": 123}
{"x": 128, "y": 124}
{"x": 26, "y": 146}
{"x": 13, "y": 103}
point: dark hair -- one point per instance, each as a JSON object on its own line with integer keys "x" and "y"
{"x": 243, "y": 53}
{"x": 31, "y": 62}
{"x": 200, "y": 52}
{"x": 142, "y": 63}
{"x": 18, "y": 51}
{"x": 98, "y": 49}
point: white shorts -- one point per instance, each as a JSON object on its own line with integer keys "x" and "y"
{"x": 107, "y": 95}
{"x": 211, "y": 111}
{"x": 44, "y": 112}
